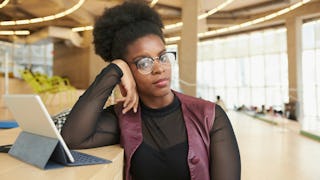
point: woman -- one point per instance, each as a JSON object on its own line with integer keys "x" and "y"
{"x": 165, "y": 134}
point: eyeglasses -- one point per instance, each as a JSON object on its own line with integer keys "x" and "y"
{"x": 145, "y": 64}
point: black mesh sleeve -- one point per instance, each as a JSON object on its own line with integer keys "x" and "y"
{"x": 225, "y": 157}
{"x": 89, "y": 124}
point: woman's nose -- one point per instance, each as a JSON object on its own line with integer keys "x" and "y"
{"x": 157, "y": 67}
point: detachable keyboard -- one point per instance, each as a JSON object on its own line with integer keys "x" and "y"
{"x": 86, "y": 159}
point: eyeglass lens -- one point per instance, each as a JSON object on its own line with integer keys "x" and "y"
{"x": 145, "y": 65}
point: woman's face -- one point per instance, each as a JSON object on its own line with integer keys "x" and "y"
{"x": 157, "y": 82}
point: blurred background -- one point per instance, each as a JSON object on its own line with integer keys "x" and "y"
{"x": 261, "y": 57}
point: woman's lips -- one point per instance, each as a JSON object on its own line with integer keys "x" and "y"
{"x": 161, "y": 83}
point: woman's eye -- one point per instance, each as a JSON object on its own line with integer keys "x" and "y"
{"x": 163, "y": 58}
{"x": 144, "y": 63}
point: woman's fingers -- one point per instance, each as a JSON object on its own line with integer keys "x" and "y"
{"x": 127, "y": 87}
{"x": 131, "y": 101}
{"x": 122, "y": 90}
{"x": 135, "y": 107}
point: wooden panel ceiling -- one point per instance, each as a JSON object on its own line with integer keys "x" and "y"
{"x": 170, "y": 10}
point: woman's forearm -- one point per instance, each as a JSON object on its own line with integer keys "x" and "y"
{"x": 79, "y": 130}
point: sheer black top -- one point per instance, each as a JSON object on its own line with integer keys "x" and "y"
{"x": 163, "y": 153}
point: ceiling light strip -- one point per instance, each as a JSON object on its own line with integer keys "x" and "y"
{"x": 202, "y": 16}
{"x": 245, "y": 24}
{"x": 20, "y": 32}
{"x": 212, "y": 11}
{"x": 85, "y": 28}
{"x": 43, "y": 19}
{"x": 4, "y": 3}
{"x": 170, "y": 26}
{"x": 153, "y": 3}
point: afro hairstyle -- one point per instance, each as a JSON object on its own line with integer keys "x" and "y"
{"x": 121, "y": 25}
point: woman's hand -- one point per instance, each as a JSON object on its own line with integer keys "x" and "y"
{"x": 128, "y": 88}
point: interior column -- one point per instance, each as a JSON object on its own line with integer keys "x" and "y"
{"x": 294, "y": 49}
{"x": 188, "y": 47}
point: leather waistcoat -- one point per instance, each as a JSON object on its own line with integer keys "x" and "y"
{"x": 198, "y": 115}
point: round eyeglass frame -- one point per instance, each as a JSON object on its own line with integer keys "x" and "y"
{"x": 164, "y": 59}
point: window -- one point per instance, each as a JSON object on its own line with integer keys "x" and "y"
{"x": 311, "y": 76}
{"x": 37, "y": 57}
{"x": 249, "y": 69}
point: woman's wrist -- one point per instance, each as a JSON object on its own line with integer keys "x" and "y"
{"x": 120, "y": 63}
{"x": 117, "y": 69}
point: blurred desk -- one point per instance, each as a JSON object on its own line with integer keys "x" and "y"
{"x": 12, "y": 168}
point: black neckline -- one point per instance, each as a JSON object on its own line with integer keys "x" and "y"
{"x": 145, "y": 110}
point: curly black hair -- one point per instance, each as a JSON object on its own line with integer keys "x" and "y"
{"x": 121, "y": 25}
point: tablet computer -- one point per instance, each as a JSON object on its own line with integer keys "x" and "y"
{"x": 32, "y": 116}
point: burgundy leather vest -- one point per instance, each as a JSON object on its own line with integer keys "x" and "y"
{"x": 198, "y": 115}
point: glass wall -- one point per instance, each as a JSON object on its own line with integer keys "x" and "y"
{"x": 247, "y": 69}
{"x": 37, "y": 57}
{"x": 174, "y": 67}
{"x": 311, "y": 76}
